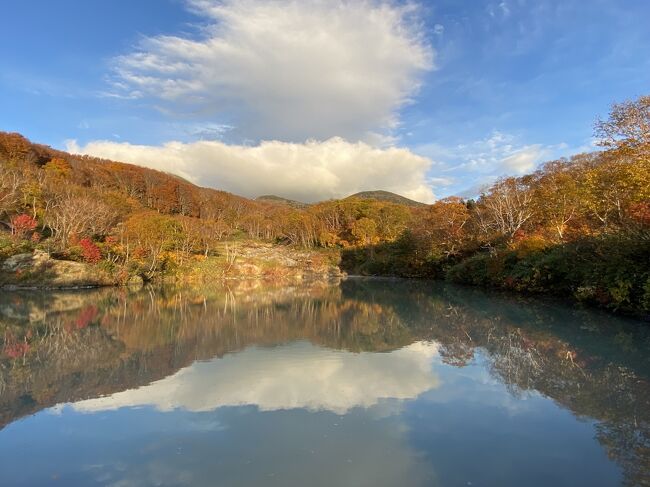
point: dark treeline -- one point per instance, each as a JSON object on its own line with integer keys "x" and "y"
{"x": 577, "y": 226}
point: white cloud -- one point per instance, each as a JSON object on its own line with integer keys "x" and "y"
{"x": 313, "y": 378}
{"x": 523, "y": 160}
{"x": 308, "y": 172}
{"x": 498, "y": 10}
{"x": 288, "y": 70}
{"x": 440, "y": 181}
{"x": 501, "y": 154}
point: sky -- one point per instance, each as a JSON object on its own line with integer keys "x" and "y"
{"x": 318, "y": 99}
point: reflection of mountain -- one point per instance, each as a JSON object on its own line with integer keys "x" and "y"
{"x": 76, "y": 347}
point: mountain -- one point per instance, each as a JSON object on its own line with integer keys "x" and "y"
{"x": 380, "y": 195}
{"x": 271, "y": 198}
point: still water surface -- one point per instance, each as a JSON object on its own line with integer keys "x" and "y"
{"x": 367, "y": 383}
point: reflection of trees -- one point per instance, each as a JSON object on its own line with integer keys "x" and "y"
{"x": 518, "y": 360}
{"x": 88, "y": 344}
{"x": 58, "y": 360}
{"x": 595, "y": 365}
{"x": 109, "y": 340}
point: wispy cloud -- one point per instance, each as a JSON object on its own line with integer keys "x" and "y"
{"x": 465, "y": 169}
{"x": 286, "y": 70}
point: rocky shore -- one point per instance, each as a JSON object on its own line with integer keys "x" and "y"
{"x": 38, "y": 270}
{"x": 254, "y": 260}
{"x": 250, "y": 260}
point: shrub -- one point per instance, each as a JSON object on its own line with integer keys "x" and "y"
{"x": 21, "y": 225}
{"x": 90, "y": 251}
{"x": 530, "y": 245}
{"x": 612, "y": 271}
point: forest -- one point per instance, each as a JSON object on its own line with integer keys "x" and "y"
{"x": 577, "y": 226}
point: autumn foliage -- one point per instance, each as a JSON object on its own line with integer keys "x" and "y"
{"x": 22, "y": 224}
{"x": 90, "y": 251}
{"x": 527, "y": 233}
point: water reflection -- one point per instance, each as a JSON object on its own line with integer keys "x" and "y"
{"x": 367, "y": 383}
{"x": 297, "y": 375}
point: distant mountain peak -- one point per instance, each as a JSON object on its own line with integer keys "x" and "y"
{"x": 271, "y": 198}
{"x": 382, "y": 195}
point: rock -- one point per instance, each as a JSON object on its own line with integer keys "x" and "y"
{"x": 255, "y": 260}
{"x": 19, "y": 262}
{"x": 34, "y": 307}
{"x": 39, "y": 270}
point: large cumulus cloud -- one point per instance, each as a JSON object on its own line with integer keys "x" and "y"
{"x": 309, "y": 172}
{"x": 285, "y": 69}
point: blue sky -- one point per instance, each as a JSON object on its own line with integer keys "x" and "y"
{"x": 317, "y": 98}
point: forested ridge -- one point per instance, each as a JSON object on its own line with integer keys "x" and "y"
{"x": 577, "y": 226}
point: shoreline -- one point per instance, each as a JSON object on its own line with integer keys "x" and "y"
{"x": 335, "y": 278}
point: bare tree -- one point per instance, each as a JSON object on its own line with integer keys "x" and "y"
{"x": 69, "y": 214}
{"x": 10, "y": 183}
{"x": 506, "y": 208}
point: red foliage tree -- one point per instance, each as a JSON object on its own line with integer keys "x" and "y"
{"x": 640, "y": 212}
{"x": 22, "y": 224}
{"x": 86, "y": 317}
{"x": 90, "y": 251}
{"x": 14, "y": 348}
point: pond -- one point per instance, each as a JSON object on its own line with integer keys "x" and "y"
{"x": 370, "y": 382}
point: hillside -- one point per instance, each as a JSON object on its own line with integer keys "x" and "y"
{"x": 271, "y": 198}
{"x": 380, "y": 195}
{"x": 148, "y": 188}
{"x": 137, "y": 222}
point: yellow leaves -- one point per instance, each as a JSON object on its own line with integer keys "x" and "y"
{"x": 530, "y": 245}
{"x": 58, "y": 168}
{"x": 627, "y": 130}
{"x": 364, "y": 230}
{"x": 327, "y": 239}
{"x": 613, "y": 186}
{"x": 637, "y": 175}
{"x": 169, "y": 256}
